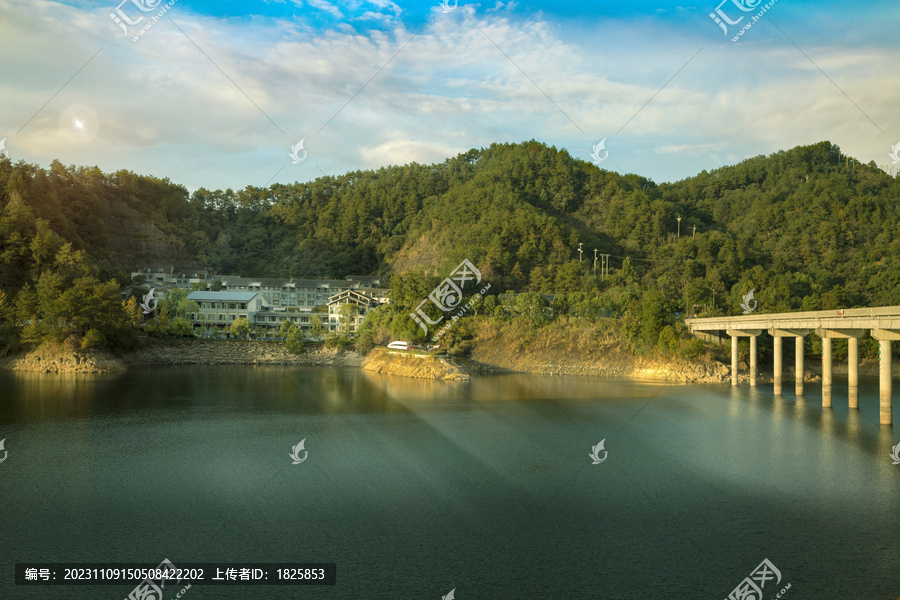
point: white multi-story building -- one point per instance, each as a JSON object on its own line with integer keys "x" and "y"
{"x": 218, "y": 310}
{"x": 363, "y": 302}
{"x": 221, "y": 309}
{"x": 278, "y": 292}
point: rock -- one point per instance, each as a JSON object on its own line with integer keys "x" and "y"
{"x": 412, "y": 365}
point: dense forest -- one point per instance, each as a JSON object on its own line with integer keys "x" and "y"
{"x": 808, "y": 228}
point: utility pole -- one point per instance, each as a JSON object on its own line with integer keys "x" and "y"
{"x": 679, "y": 227}
{"x": 595, "y": 262}
{"x": 579, "y": 250}
{"x": 695, "y": 232}
{"x": 604, "y": 266}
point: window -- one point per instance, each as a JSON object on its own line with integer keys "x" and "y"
{"x": 221, "y": 317}
{"x": 232, "y": 305}
{"x": 243, "y": 305}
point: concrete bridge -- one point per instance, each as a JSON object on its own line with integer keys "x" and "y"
{"x": 882, "y": 323}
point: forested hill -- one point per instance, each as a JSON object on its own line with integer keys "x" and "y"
{"x": 807, "y": 227}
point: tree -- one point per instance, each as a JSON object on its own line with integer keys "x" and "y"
{"x": 317, "y": 329}
{"x": 287, "y": 327}
{"x": 241, "y": 327}
{"x": 134, "y": 312}
{"x": 653, "y": 317}
{"x": 294, "y": 342}
{"x": 177, "y": 305}
{"x": 181, "y": 327}
{"x": 347, "y": 313}
{"x": 93, "y": 339}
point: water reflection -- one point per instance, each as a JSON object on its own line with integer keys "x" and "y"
{"x": 489, "y": 477}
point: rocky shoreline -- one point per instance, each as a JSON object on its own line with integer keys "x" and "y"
{"x": 613, "y": 364}
{"x": 485, "y": 359}
{"x": 381, "y": 360}
{"x": 53, "y": 358}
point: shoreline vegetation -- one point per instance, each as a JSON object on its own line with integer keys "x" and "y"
{"x": 485, "y": 359}
{"x": 805, "y": 229}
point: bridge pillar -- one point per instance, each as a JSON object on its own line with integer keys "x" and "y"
{"x": 776, "y": 374}
{"x": 735, "y": 334}
{"x": 826, "y": 372}
{"x": 853, "y": 371}
{"x": 752, "y": 361}
{"x": 852, "y": 336}
{"x": 884, "y": 383}
{"x": 734, "y": 359}
{"x": 797, "y": 334}
{"x": 885, "y": 336}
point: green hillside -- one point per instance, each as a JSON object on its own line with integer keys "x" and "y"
{"x": 807, "y": 228}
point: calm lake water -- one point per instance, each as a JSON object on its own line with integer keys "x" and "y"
{"x": 414, "y": 488}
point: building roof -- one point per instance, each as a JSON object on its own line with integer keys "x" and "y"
{"x": 226, "y": 296}
{"x": 355, "y": 295}
{"x": 238, "y": 281}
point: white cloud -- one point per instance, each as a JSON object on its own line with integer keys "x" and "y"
{"x": 327, "y": 7}
{"x": 386, "y": 4}
{"x": 163, "y": 106}
{"x": 399, "y": 151}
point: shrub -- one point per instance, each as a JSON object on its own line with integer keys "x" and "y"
{"x": 93, "y": 339}
{"x": 294, "y": 342}
{"x": 181, "y": 327}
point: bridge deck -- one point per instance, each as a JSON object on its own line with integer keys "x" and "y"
{"x": 882, "y": 323}
{"x": 883, "y": 317}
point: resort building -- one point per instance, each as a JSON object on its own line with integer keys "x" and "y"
{"x": 221, "y": 309}
{"x": 218, "y": 310}
{"x": 278, "y": 292}
{"x": 362, "y": 301}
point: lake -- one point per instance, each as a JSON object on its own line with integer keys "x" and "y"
{"x": 415, "y": 488}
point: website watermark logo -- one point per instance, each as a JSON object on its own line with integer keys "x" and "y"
{"x": 295, "y": 158}
{"x": 595, "y": 452}
{"x": 123, "y": 20}
{"x": 895, "y": 153}
{"x": 295, "y": 452}
{"x": 151, "y": 588}
{"x": 746, "y": 303}
{"x": 445, "y": 7}
{"x": 751, "y": 587}
{"x": 5, "y": 452}
{"x": 895, "y": 453}
{"x": 448, "y": 295}
{"x": 722, "y": 20}
{"x": 4, "y": 153}
{"x": 449, "y": 596}
{"x": 148, "y": 298}
{"x": 601, "y": 146}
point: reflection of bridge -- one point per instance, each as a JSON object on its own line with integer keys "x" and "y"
{"x": 881, "y": 323}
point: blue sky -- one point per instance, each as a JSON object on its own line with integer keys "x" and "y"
{"x": 216, "y": 94}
